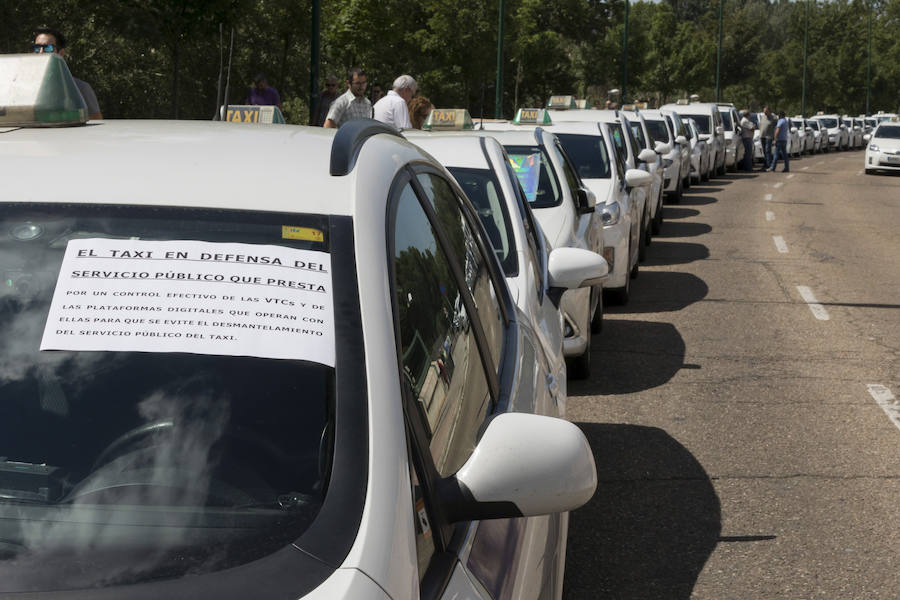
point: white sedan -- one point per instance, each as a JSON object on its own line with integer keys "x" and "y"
{"x": 322, "y": 391}
{"x": 883, "y": 148}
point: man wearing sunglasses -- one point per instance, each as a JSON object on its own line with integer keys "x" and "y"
{"x": 50, "y": 40}
{"x": 326, "y": 97}
{"x": 352, "y": 104}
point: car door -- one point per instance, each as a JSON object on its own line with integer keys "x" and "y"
{"x": 462, "y": 360}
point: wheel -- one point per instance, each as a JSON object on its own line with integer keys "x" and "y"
{"x": 675, "y": 196}
{"x": 643, "y": 241}
{"x": 870, "y": 171}
{"x": 597, "y": 320}
{"x": 635, "y": 270}
{"x": 657, "y": 219}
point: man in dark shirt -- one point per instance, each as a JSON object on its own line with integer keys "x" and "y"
{"x": 262, "y": 94}
{"x": 51, "y": 40}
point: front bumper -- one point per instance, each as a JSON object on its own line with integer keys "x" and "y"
{"x": 575, "y": 305}
{"x": 615, "y": 250}
{"x": 882, "y": 160}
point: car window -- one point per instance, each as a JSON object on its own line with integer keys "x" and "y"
{"x": 538, "y": 180}
{"x": 814, "y": 125}
{"x": 702, "y": 121}
{"x": 658, "y": 130}
{"x": 890, "y": 132}
{"x": 566, "y": 166}
{"x": 726, "y": 119}
{"x": 618, "y": 138}
{"x": 632, "y": 142}
{"x": 829, "y": 122}
{"x": 483, "y": 191}
{"x": 588, "y": 154}
{"x": 532, "y": 231}
{"x": 221, "y": 455}
{"x": 438, "y": 348}
{"x": 638, "y": 132}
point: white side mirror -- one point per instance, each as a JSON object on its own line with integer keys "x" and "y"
{"x": 572, "y": 268}
{"x": 523, "y": 465}
{"x": 637, "y": 178}
{"x": 720, "y": 130}
{"x": 793, "y": 130}
{"x": 867, "y": 137}
{"x": 681, "y": 140}
{"x": 662, "y": 148}
{"x": 647, "y": 155}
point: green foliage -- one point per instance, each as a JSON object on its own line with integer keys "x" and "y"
{"x": 160, "y": 58}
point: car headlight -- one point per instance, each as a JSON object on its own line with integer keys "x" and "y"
{"x": 873, "y": 147}
{"x": 610, "y": 213}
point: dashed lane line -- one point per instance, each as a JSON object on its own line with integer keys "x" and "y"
{"x": 779, "y": 184}
{"x": 817, "y": 309}
{"x": 886, "y": 401}
{"x": 804, "y": 168}
{"x": 791, "y": 176}
{"x": 770, "y": 216}
{"x": 780, "y": 244}
{"x": 767, "y": 197}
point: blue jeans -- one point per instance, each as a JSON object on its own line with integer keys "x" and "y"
{"x": 781, "y": 151}
{"x": 767, "y": 151}
{"x": 748, "y": 153}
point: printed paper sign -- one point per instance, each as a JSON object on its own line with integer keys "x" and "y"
{"x": 190, "y": 296}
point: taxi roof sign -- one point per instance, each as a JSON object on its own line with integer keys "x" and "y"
{"x": 562, "y": 103}
{"x": 682, "y": 101}
{"x": 37, "y": 90}
{"x": 444, "y": 119}
{"x": 532, "y": 116}
{"x": 252, "y": 113}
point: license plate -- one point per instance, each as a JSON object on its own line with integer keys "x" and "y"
{"x": 893, "y": 159}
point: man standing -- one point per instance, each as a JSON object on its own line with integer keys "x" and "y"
{"x": 352, "y": 104}
{"x": 393, "y": 109}
{"x": 262, "y": 94}
{"x": 325, "y": 100}
{"x": 782, "y": 129}
{"x": 50, "y": 40}
{"x": 766, "y": 133}
{"x": 747, "y": 128}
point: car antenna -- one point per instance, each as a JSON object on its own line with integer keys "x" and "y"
{"x": 481, "y": 122}
{"x": 228, "y": 76}
{"x": 217, "y": 116}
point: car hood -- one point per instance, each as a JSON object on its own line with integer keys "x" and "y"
{"x": 886, "y": 143}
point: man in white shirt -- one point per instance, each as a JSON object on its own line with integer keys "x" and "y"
{"x": 392, "y": 108}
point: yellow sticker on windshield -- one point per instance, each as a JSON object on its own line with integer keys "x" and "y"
{"x": 307, "y": 234}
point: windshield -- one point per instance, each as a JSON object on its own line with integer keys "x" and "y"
{"x": 702, "y": 122}
{"x": 889, "y": 132}
{"x": 658, "y": 130}
{"x": 588, "y": 154}
{"x": 483, "y": 190}
{"x": 726, "y": 119}
{"x": 167, "y": 390}
{"x": 831, "y": 123}
{"x": 797, "y": 123}
{"x": 536, "y": 176}
{"x": 813, "y": 124}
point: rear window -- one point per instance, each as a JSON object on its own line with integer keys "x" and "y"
{"x": 588, "y": 154}
{"x": 167, "y": 388}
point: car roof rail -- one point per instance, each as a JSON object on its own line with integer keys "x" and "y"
{"x": 349, "y": 141}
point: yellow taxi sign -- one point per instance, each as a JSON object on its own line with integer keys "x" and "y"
{"x": 37, "y": 90}
{"x": 250, "y": 113}
{"x": 308, "y": 234}
{"x": 532, "y": 116}
{"x": 561, "y": 103}
{"x": 448, "y": 119}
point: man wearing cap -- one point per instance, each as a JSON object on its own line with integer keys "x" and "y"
{"x": 393, "y": 108}
{"x": 352, "y": 104}
{"x": 747, "y": 128}
{"x": 50, "y": 40}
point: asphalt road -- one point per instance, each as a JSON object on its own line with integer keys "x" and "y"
{"x": 734, "y": 410}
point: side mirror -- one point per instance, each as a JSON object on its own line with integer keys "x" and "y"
{"x": 585, "y": 201}
{"x": 793, "y": 130}
{"x": 662, "y": 147}
{"x": 681, "y": 140}
{"x": 524, "y": 465}
{"x": 571, "y": 268}
{"x": 647, "y": 155}
{"x": 637, "y": 178}
{"x": 720, "y": 130}
{"x": 867, "y": 137}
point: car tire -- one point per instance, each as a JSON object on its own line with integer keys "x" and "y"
{"x": 635, "y": 270}
{"x": 657, "y": 220}
{"x": 597, "y": 319}
{"x": 643, "y": 242}
{"x": 870, "y": 171}
{"x": 675, "y": 196}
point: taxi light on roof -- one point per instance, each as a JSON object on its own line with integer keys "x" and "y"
{"x": 532, "y": 116}
{"x": 448, "y": 119}
{"x": 561, "y": 102}
{"x": 247, "y": 113}
{"x": 582, "y": 104}
{"x": 682, "y": 101}
{"x": 37, "y": 90}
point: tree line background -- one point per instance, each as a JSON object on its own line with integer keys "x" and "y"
{"x": 160, "y": 58}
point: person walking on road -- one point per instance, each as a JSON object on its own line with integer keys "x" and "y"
{"x": 766, "y": 134}
{"x": 51, "y": 40}
{"x": 352, "y": 104}
{"x": 393, "y": 108}
{"x": 782, "y": 129}
{"x": 747, "y": 128}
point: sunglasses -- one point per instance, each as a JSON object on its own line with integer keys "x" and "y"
{"x": 38, "y": 48}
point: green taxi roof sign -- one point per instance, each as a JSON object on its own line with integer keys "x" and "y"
{"x": 561, "y": 103}
{"x": 532, "y": 116}
{"x": 37, "y": 90}
{"x": 444, "y": 119}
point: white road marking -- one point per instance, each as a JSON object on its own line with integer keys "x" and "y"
{"x": 780, "y": 244}
{"x": 859, "y": 173}
{"x": 791, "y": 176}
{"x": 767, "y": 197}
{"x": 770, "y": 216}
{"x": 886, "y": 401}
{"x": 818, "y": 164}
{"x": 803, "y": 168}
{"x": 817, "y": 309}
{"x": 779, "y": 184}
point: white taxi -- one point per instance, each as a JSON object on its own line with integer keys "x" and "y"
{"x": 883, "y": 148}
{"x": 669, "y": 147}
{"x": 316, "y": 388}
{"x": 654, "y": 164}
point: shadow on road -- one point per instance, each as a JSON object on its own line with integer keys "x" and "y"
{"x": 671, "y": 212}
{"x": 652, "y": 524}
{"x": 673, "y": 230}
{"x": 691, "y": 200}
{"x": 660, "y": 291}
{"x": 631, "y": 356}
{"x": 674, "y": 253}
